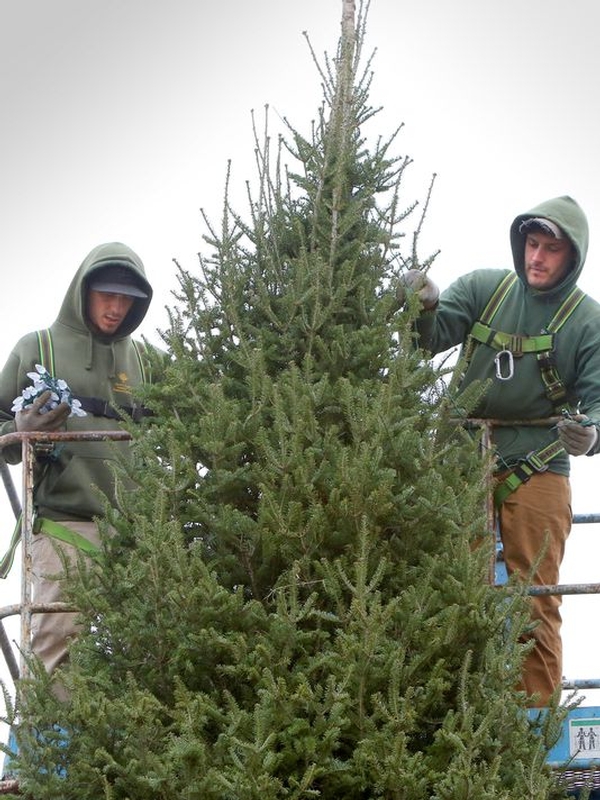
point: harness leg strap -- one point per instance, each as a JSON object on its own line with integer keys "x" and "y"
{"x": 536, "y": 461}
{"x": 66, "y": 535}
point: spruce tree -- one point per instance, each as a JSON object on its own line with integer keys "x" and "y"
{"x": 296, "y": 600}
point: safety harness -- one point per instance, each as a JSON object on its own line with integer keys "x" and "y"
{"x": 92, "y": 405}
{"x": 512, "y": 345}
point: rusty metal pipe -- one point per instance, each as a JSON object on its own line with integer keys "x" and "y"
{"x": 15, "y": 503}
{"x": 26, "y": 608}
{"x": 62, "y": 436}
{"x": 9, "y": 486}
{"x": 9, "y": 656}
{"x": 474, "y": 422}
{"x": 581, "y": 683}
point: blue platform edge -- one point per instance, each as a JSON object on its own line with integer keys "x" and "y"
{"x": 7, "y": 772}
{"x": 579, "y": 744}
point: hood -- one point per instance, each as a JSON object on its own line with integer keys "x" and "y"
{"x": 73, "y": 310}
{"x": 568, "y": 215}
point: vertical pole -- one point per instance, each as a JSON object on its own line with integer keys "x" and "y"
{"x": 15, "y": 503}
{"x": 26, "y": 542}
{"x": 490, "y": 510}
{"x": 9, "y": 656}
{"x": 10, "y": 487}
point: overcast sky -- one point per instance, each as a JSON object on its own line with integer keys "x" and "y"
{"x": 118, "y": 118}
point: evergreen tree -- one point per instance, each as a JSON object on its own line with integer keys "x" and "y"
{"x": 294, "y": 604}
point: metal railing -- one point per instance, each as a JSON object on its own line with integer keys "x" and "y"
{"x": 486, "y": 426}
{"x": 26, "y": 608}
{"x": 27, "y": 441}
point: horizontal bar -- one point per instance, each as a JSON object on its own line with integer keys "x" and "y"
{"x": 62, "y": 436}
{"x": 566, "y": 588}
{"x": 36, "y": 608}
{"x": 473, "y": 422}
{"x": 557, "y": 588}
{"x": 581, "y": 683}
{"x": 9, "y": 656}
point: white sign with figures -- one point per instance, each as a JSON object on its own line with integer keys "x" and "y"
{"x": 584, "y": 738}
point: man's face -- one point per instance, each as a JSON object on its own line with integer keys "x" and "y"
{"x": 107, "y": 311}
{"x": 547, "y": 259}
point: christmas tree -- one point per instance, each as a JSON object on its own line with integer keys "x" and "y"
{"x": 295, "y": 602}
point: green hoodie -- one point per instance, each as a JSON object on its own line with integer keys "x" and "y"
{"x": 525, "y": 311}
{"x": 77, "y": 480}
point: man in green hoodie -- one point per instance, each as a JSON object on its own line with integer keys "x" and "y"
{"x": 532, "y": 338}
{"x": 90, "y": 347}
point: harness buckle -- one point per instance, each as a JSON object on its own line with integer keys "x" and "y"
{"x": 506, "y": 372}
{"x": 535, "y": 462}
{"x": 516, "y": 346}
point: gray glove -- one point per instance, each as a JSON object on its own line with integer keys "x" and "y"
{"x": 576, "y": 436}
{"x": 414, "y": 280}
{"x": 30, "y": 419}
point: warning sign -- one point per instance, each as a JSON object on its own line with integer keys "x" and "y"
{"x": 584, "y": 738}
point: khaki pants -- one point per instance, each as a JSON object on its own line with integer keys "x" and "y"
{"x": 51, "y": 632}
{"x": 537, "y": 518}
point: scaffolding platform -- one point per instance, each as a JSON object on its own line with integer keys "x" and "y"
{"x": 575, "y": 756}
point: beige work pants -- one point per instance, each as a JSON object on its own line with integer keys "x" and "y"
{"x": 52, "y": 631}
{"x": 537, "y": 518}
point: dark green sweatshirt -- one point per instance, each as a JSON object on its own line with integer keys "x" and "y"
{"x": 75, "y": 484}
{"x": 525, "y": 311}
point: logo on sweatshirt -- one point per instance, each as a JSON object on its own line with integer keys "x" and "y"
{"x": 122, "y": 384}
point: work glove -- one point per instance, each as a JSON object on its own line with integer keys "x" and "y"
{"x": 29, "y": 418}
{"x": 414, "y": 280}
{"x": 577, "y": 434}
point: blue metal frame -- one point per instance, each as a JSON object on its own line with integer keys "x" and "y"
{"x": 577, "y": 751}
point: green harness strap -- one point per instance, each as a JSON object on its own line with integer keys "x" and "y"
{"x": 46, "y": 359}
{"x": 517, "y": 344}
{"x": 542, "y": 345}
{"x": 49, "y": 527}
{"x": 138, "y": 353}
{"x": 498, "y": 297}
{"x": 43, "y": 524}
{"x": 555, "y": 388}
{"x": 9, "y": 557}
{"x": 480, "y": 332}
{"x": 46, "y": 351}
{"x": 535, "y": 462}
{"x": 65, "y": 535}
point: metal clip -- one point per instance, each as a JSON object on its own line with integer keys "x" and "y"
{"x": 509, "y": 367}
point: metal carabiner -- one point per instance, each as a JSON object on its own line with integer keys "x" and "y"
{"x": 510, "y": 366}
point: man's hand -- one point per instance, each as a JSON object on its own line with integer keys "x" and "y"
{"x": 30, "y": 419}
{"x": 416, "y": 281}
{"x": 576, "y": 436}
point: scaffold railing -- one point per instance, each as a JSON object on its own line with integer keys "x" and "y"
{"x": 579, "y": 767}
{"x": 563, "y": 757}
{"x": 24, "y": 515}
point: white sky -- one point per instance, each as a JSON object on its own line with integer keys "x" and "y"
{"x": 118, "y": 118}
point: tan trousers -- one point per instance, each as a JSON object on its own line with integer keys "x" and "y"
{"x": 51, "y": 632}
{"x": 537, "y": 518}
